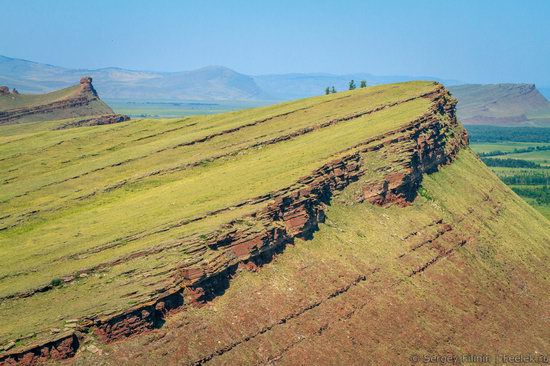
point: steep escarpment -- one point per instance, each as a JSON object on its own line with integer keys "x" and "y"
{"x": 456, "y": 268}
{"x": 76, "y": 101}
{"x": 169, "y": 216}
{"x": 385, "y": 140}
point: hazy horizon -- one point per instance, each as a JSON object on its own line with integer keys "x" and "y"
{"x": 473, "y": 42}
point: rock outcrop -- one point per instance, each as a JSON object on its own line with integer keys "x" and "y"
{"x": 86, "y": 86}
{"x": 108, "y": 119}
{"x": 77, "y": 101}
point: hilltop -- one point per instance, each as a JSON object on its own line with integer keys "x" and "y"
{"x": 501, "y": 104}
{"x": 347, "y": 222}
{"x": 75, "y": 101}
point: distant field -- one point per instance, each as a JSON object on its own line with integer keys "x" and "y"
{"x": 532, "y": 184}
{"x": 504, "y": 146}
{"x": 166, "y": 109}
{"x": 541, "y": 118}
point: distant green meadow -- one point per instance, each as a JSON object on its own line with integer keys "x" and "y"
{"x": 522, "y": 164}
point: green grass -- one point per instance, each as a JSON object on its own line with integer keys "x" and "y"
{"x": 76, "y": 199}
{"x": 509, "y": 175}
{"x": 504, "y": 147}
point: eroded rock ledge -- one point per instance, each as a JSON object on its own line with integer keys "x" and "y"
{"x": 107, "y": 119}
{"x": 84, "y": 96}
{"x": 421, "y": 147}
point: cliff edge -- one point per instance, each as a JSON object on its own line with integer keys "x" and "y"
{"x": 76, "y": 101}
{"x": 295, "y": 224}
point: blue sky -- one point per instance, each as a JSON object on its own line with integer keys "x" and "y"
{"x": 472, "y": 41}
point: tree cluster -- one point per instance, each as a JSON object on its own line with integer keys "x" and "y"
{"x": 351, "y": 86}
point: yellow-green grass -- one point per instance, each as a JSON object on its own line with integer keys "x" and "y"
{"x": 183, "y": 195}
{"x": 470, "y": 298}
{"x": 76, "y": 199}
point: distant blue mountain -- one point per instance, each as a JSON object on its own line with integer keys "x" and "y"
{"x": 208, "y": 83}
{"x": 545, "y": 91}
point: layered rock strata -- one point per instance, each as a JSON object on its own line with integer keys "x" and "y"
{"x": 419, "y": 147}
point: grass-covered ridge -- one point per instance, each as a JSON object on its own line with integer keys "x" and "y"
{"x": 100, "y": 213}
{"x": 351, "y": 289}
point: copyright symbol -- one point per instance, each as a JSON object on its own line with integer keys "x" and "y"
{"x": 414, "y": 358}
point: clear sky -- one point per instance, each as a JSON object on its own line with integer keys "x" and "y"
{"x": 467, "y": 40}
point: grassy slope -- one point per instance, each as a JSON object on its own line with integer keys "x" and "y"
{"x": 488, "y": 296}
{"x": 78, "y": 198}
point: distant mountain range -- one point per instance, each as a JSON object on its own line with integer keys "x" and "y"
{"x": 206, "y": 84}
{"x": 501, "y": 104}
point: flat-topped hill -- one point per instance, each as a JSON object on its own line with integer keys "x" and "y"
{"x": 107, "y": 230}
{"x": 501, "y": 104}
{"x": 76, "y": 101}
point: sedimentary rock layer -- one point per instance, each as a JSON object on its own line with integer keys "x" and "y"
{"x": 417, "y": 148}
{"x": 108, "y": 119}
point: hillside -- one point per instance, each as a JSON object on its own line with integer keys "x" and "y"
{"x": 76, "y": 101}
{"x": 501, "y": 104}
{"x": 344, "y": 222}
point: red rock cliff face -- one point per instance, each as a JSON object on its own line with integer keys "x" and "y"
{"x": 420, "y": 147}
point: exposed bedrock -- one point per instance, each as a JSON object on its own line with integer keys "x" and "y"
{"x": 424, "y": 144}
{"x": 107, "y": 119}
{"x": 84, "y": 101}
{"x": 419, "y": 147}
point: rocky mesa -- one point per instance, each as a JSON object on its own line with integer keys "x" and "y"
{"x": 314, "y": 208}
